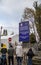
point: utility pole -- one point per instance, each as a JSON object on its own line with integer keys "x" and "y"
{"x": 0, "y": 35}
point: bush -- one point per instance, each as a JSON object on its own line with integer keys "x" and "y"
{"x": 32, "y": 38}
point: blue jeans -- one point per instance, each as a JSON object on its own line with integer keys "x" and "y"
{"x": 3, "y": 60}
{"x": 19, "y": 60}
{"x": 29, "y": 61}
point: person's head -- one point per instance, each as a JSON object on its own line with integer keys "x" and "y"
{"x": 1, "y": 44}
{"x": 30, "y": 49}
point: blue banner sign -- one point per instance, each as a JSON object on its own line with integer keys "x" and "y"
{"x": 24, "y": 31}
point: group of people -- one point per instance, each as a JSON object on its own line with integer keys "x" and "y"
{"x": 19, "y": 55}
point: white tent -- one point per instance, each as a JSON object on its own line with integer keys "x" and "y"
{"x": 4, "y": 39}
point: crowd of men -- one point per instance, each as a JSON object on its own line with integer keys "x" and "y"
{"x": 19, "y": 55}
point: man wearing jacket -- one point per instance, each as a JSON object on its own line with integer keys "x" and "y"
{"x": 19, "y": 54}
{"x": 10, "y": 55}
{"x": 3, "y": 51}
{"x": 30, "y": 55}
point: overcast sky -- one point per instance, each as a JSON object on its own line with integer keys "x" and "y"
{"x": 11, "y": 11}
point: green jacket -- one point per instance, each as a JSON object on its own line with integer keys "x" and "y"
{"x": 10, "y": 52}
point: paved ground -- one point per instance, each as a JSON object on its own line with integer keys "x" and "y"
{"x": 36, "y": 61}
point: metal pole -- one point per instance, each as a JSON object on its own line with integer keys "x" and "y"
{"x": 29, "y": 38}
{"x": 0, "y": 36}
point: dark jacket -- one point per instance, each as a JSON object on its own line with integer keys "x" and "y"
{"x": 4, "y": 50}
{"x": 30, "y": 53}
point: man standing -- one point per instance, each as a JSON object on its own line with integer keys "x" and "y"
{"x": 10, "y": 55}
{"x": 3, "y": 51}
{"x": 19, "y": 54}
{"x": 30, "y": 55}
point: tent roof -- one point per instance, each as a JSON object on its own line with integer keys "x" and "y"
{"x": 6, "y": 37}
